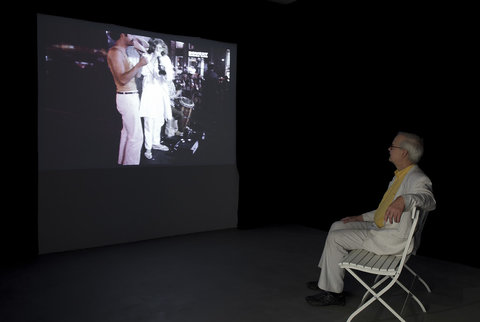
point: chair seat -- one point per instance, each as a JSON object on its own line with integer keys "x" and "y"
{"x": 390, "y": 266}
{"x": 363, "y": 260}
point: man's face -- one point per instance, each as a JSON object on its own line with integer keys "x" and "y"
{"x": 396, "y": 152}
{"x": 129, "y": 39}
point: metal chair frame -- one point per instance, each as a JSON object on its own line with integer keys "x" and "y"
{"x": 388, "y": 266}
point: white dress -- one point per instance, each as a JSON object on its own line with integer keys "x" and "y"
{"x": 155, "y": 104}
{"x": 155, "y": 101}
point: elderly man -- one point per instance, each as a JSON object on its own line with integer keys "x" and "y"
{"x": 382, "y": 231}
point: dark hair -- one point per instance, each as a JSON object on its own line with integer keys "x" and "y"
{"x": 153, "y": 43}
{"x": 115, "y": 35}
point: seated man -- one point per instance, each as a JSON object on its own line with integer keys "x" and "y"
{"x": 383, "y": 231}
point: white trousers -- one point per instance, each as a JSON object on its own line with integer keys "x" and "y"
{"x": 152, "y": 128}
{"x": 340, "y": 240}
{"x": 131, "y": 136}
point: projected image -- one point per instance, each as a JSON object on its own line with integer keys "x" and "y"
{"x": 113, "y": 97}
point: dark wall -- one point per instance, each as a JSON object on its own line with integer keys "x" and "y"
{"x": 340, "y": 85}
{"x": 321, "y": 94}
{"x": 90, "y": 208}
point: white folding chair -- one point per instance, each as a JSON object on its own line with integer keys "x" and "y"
{"x": 388, "y": 266}
{"x": 417, "y": 235}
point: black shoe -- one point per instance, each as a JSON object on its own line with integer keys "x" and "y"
{"x": 326, "y": 298}
{"x": 313, "y": 285}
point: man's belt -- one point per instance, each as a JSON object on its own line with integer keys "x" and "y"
{"x": 134, "y": 92}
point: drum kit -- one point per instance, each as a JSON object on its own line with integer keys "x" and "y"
{"x": 189, "y": 141}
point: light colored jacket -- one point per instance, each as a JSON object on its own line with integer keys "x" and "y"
{"x": 155, "y": 100}
{"x": 416, "y": 189}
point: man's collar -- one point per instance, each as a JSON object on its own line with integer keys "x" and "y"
{"x": 404, "y": 170}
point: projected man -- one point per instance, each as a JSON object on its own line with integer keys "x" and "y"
{"x": 382, "y": 231}
{"x": 155, "y": 104}
{"x": 128, "y": 102}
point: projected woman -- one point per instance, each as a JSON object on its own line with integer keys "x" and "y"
{"x": 155, "y": 102}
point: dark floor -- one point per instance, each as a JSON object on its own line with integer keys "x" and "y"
{"x": 228, "y": 275}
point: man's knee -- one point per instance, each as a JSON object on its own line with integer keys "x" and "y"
{"x": 337, "y": 225}
{"x": 333, "y": 235}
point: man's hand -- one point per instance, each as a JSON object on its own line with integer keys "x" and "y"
{"x": 352, "y": 218}
{"x": 143, "y": 60}
{"x": 395, "y": 210}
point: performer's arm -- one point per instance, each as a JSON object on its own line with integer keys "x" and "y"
{"x": 121, "y": 75}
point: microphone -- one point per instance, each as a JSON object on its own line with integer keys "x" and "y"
{"x": 161, "y": 69}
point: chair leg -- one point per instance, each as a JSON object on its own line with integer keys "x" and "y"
{"x": 413, "y": 295}
{"x": 419, "y": 278}
{"x": 373, "y": 287}
{"x": 376, "y": 296}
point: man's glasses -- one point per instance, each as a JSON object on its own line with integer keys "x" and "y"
{"x": 394, "y": 146}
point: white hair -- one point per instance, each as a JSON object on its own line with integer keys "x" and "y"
{"x": 413, "y": 144}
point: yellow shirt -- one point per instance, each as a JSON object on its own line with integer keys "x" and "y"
{"x": 389, "y": 195}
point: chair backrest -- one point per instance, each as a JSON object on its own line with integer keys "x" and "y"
{"x": 422, "y": 218}
{"x": 415, "y": 214}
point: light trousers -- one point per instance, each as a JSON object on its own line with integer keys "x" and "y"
{"x": 341, "y": 239}
{"x": 131, "y": 136}
{"x": 152, "y": 129}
